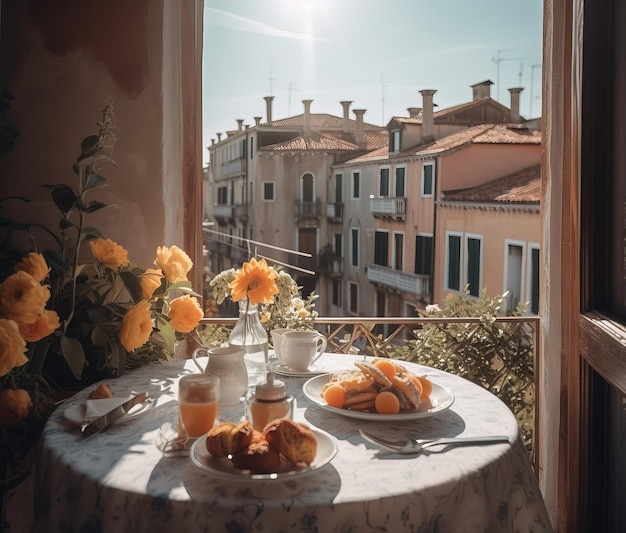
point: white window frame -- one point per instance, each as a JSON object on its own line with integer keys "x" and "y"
{"x": 523, "y": 273}
{"x": 349, "y": 287}
{"x": 447, "y": 261}
{"x": 354, "y": 242}
{"x": 395, "y": 177}
{"x": 352, "y": 191}
{"x": 464, "y": 251}
{"x": 380, "y": 179}
{"x": 430, "y": 163}
{"x": 393, "y": 250}
{"x": 395, "y": 141}
{"x": 529, "y": 274}
{"x": 273, "y": 184}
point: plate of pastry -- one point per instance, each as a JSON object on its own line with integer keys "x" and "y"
{"x": 285, "y": 449}
{"x": 380, "y": 390}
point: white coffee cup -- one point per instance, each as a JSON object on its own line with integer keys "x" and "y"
{"x": 277, "y": 341}
{"x": 301, "y": 349}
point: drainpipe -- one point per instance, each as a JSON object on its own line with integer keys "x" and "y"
{"x": 435, "y": 232}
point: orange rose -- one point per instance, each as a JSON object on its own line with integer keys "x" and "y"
{"x": 174, "y": 262}
{"x": 35, "y": 265}
{"x": 23, "y": 298}
{"x": 109, "y": 253}
{"x": 12, "y": 346}
{"x": 14, "y": 405}
{"x": 136, "y": 326}
{"x": 151, "y": 281}
{"x": 40, "y": 328}
{"x": 185, "y": 313}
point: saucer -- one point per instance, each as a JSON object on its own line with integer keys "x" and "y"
{"x": 282, "y": 369}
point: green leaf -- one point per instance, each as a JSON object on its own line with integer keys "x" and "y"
{"x": 65, "y": 223}
{"x": 90, "y": 144}
{"x": 91, "y": 207}
{"x": 74, "y": 355}
{"x": 132, "y": 284}
{"x": 95, "y": 181}
{"x": 168, "y": 335}
{"x": 90, "y": 233}
{"x": 63, "y": 196}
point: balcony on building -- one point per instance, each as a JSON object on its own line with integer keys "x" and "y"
{"x": 397, "y": 280}
{"x": 331, "y": 264}
{"x": 308, "y": 210}
{"x": 388, "y": 207}
{"x": 241, "y": 212}
{"x": 224, "y": 212}
{"x": 334, "y": 212}
{"x": 233, "y": 168}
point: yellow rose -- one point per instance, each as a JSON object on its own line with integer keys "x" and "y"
{"x": 185, "y": 313}
{"x": 40, "y": 328}
{"x": 174, "y": 262}
{"x": 14, "y": 405}
{"x": 136, "y": 326}
{"x": 35, "y": 265}
{"x": 151, "y": 281}
{"x": 23, "y": 298}
{"x": 109, "y": 253}
{"x": 12, "y": 346}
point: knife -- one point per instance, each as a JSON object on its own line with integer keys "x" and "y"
{"x": 104, "y": 421}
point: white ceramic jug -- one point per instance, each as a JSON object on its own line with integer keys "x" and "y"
{"x": 227, "y": 363}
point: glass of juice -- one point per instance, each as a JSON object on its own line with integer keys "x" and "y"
{"x": 198, "y": 403}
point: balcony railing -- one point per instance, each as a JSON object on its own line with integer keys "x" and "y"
{"x": 233, "y": 168}
{"x": 418, "y": 285}
{"x": 331, "y": 264}
{"x": 308, "y": 209}
{"x": 388, "y": 207}
{"x": 357, "y": 336}
{"x": 223, "y": 211}
{"x": 334, "y": 212}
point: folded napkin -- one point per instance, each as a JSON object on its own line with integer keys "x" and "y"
{"x": 96, "y": 408}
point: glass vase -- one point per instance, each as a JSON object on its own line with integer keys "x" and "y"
{"x": 250, "y": 334}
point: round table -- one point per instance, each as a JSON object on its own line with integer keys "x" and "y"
{"x": 119, "y": 481}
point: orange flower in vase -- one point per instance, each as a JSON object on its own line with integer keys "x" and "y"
{"x": 255, "y": 281}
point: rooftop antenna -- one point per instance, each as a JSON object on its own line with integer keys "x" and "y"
{"x": 272, "y": 78}
{"x": 497, "y": 60}
{"x": 532, "y": 87}
{"x": 382, "y": 89}
{"x": 292, "y": 87}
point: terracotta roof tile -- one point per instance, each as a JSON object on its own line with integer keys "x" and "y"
{"x": 319, "y": 121}
{"x": 521, "y": 187}
{"x": 313, "y": 141}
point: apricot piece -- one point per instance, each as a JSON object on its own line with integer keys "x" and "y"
{"x": 387, "y": 403}
{"x": 427, "y": 387}
{"x": 386, "y": 367}
{"x": 335, "y": 396}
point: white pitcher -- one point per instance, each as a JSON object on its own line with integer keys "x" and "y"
{"x": 227, "y": 363}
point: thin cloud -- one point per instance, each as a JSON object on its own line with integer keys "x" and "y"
{"x": 231, "y": 21}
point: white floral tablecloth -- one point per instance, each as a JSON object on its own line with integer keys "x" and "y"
{"x": 118, "y": 480}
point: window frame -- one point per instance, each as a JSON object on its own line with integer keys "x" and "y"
{"x": 429, "y": 236}
{"x": 395, "y": 184}
{"x": 356, "y": 184}
{"x": 264, "y": 185}
{"x": 382, "y": 179}
{"x": 354, "y": 246}
{"x": 353, "y": 291}
{"x": 446, "y": 278}
{"x": 466, "y": 263}
{"x": 428, "y": 164}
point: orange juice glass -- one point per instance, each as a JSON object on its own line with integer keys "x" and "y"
{"x": 198, "y": 403}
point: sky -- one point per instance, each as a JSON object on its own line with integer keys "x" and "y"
{"x": 376, "y": 53}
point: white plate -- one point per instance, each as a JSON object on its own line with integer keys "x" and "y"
{"x": 441, "y": 399}
{"x": 283, "y": 370}
{"x": 326, "y": 450}
{"x": 76, "y": 413}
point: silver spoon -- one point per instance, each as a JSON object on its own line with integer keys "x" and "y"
{"x": 413, "y": 446}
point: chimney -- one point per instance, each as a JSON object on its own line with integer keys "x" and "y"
{"x": 515, "y": 116}
{"x": 219, "y": 137}
{"x": 268, "y": 109}
{"x": 346, "y": 115}
{"x": 414, "y": 112}
{"x": 359, "y": 135}
{"x": 307, "y": 115}
{"x": 482, "y": 90}
{"x": 428, "y": 122}
{"x": 239, "y": 124}
{"x": 257, "y": 121}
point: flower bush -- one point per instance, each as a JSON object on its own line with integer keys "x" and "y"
{"x": 80, "y": 310}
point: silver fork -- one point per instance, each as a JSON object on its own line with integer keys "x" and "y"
{"x": 413, "y": 446}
